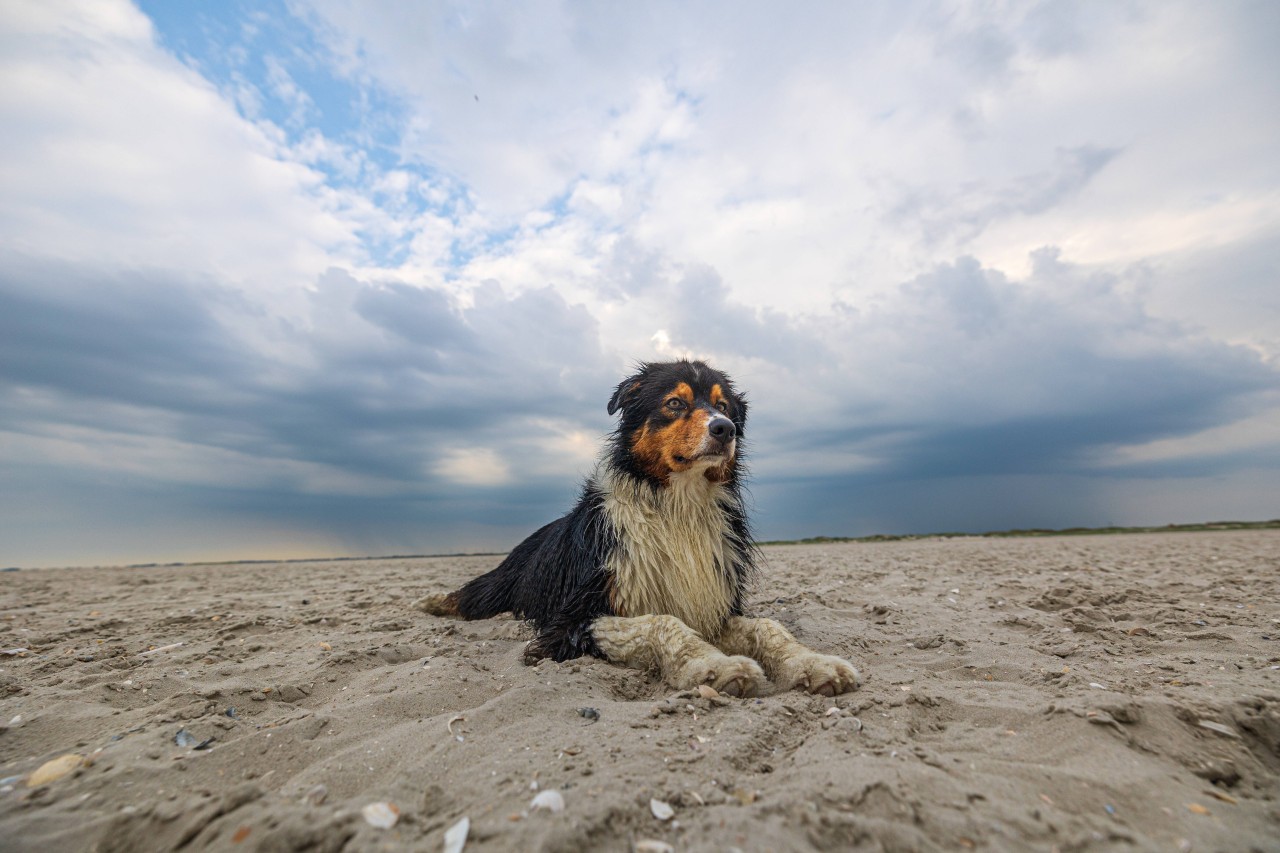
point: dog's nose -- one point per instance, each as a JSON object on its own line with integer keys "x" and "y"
{"x": 722, "y": 429}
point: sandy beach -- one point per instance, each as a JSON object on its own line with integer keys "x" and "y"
{"x": 1064, "y": 693}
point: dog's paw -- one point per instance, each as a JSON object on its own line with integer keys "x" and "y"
{"x": 826, "y": 675}
{"x": 732, "y": 674}
{"x": 438, "y": 604}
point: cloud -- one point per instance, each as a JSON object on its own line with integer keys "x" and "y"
{"x": 389, "y": 395}
{"x": 361, "y": 276}
{"x": 171, "y": 173}
{"x": 376, "y": 385}
{"x": 965, "y": 372}
{"x": 963, "y": 214}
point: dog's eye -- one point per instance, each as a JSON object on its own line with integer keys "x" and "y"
{"x": 723, "y": 406}
{"x": 675, "y": 404}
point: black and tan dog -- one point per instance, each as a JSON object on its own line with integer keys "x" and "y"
{"x": 650, "y": 568}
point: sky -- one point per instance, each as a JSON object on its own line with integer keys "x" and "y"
{"x": 327, "y": 278}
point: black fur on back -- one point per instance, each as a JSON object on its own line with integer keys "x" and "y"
{"x": 557, "y": 577}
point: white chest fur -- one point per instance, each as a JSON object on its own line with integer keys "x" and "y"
{"x": 674, "y": 555}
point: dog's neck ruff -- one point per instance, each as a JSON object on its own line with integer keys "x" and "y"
{"x": 675, "y": 547}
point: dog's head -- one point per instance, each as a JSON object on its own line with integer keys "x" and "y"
{"x": 678, "y": 417}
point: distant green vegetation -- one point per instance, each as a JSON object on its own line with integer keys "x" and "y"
{"x": 1067, "y": 531}
{"x": 813, "y": 540}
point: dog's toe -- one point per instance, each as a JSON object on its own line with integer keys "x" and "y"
{"x": 825, "y": 675}
{"x": 738, "y": 685}
{"x": 439, "y": 604}
{"x": 734, "y": 675}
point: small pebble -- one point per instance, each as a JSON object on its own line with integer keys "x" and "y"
{"x": 382, "y": 815}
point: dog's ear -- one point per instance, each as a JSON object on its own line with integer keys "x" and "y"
{"x": 625, "y": 389}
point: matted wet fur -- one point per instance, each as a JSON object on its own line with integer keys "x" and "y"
{"x": 650, "y": 567}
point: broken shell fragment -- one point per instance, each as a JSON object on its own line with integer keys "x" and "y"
{"x": 550, "y": 799}
{"x": 381, "y": 815}
{"x": 661, "y": 810}
{"x": 455, "y": 837}
{"x": 52, "y": 771}
{"x": 1219, "y": 728}
{"x": 649, "y": 845}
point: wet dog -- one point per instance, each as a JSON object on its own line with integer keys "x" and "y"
{"x": 650, "y": 568}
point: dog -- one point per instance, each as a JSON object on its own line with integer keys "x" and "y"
{"x": 650, "y": 568}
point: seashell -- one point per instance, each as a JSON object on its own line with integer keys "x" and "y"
{"x": 661, "y": 810}
{"x": 455, "y": 837}
{"x": 1219, "y": 728}
{"x": 382, "y": 815}
{"x": 52, "y": 771}
{"x": 550, "y": 799}
{"x": 649, "y": 845}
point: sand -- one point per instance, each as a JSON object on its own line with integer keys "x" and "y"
{"x": 1069, "y": 693}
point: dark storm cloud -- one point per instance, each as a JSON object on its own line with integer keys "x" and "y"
{"x": 376, "y": 381}
{"x": 426, "y": 319}
{"x": 139, "y": 339}
{"x": 971, "y": 401}
{"x": 966, "y": 376}
{"x": 709, "y": 319}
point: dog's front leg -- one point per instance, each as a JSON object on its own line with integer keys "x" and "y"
{"x": 788, "y": 662}
{"x": 677, "y": 651}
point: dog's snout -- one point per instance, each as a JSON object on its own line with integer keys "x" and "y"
{"x": 722, "y": 429}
